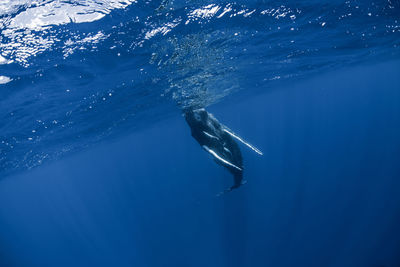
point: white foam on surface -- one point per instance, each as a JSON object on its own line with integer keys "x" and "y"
{"x": 5, "y": 79}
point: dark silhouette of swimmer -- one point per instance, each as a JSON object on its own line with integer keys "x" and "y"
{"x": 219, "y": 141}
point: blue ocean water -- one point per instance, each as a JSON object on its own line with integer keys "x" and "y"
{"x": 97, "y": 165}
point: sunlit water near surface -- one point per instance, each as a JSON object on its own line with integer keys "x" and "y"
{"x": 73, "y": 73}
{"x": 98, "y": 168}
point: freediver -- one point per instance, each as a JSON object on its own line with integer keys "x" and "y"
{"x": 219, "y": 141}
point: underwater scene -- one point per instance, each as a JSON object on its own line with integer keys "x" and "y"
{"x": 199, "y": 133}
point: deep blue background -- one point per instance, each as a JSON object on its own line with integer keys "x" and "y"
{"x": 325, "y": 193}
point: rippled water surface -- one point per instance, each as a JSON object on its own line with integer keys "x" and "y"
{"x": 75, "y": 72}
